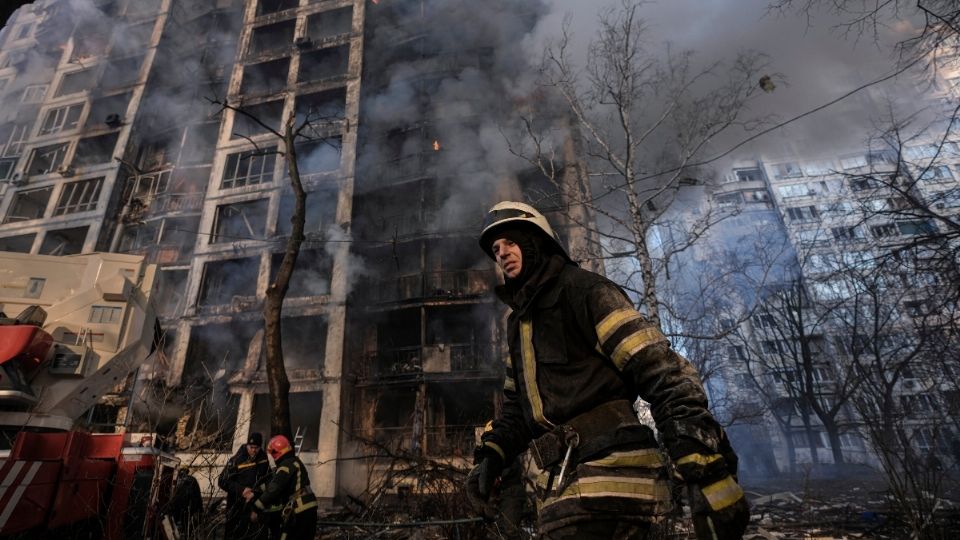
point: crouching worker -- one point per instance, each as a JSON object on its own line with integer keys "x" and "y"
{"x": 289, "y": 489}
{"x": 580, "y": 355}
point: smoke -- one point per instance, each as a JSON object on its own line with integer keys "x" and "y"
{"x": 811, "y": 64}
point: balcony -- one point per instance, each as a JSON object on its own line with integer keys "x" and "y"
{"x": 444, "y": 285}
{"x": 441, "y": 441}
{"x": 454, "y": 360}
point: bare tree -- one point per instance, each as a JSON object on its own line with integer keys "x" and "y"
{"x": 644, "y": 121}
{"x": 293, "y": 133}
{"x": 938, "y": 32}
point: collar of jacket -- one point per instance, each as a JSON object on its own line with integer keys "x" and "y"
{"x": 521, "y": 298}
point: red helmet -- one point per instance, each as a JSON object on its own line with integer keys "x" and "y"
{"x": 278, "y": 446}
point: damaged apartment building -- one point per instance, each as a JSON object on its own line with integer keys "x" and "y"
{"x": 147, "y": 127}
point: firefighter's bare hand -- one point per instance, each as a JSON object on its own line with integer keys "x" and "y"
{"x": 254, "y": 517}
{"x": 247, "y": 494}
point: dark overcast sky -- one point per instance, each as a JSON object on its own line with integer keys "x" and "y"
{"x": 818, "y": 63}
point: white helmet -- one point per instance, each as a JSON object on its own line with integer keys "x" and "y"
{"x": 506, "y": 213}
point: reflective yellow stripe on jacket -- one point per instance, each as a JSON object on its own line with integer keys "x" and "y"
{"x": 530, "y": 373}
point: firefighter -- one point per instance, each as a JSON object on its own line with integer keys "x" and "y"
{"x": 245, "y": 469}
{"x": 289, "y": 487}
{"x": 186, "y": 504}
{"x": 580, "y": 355}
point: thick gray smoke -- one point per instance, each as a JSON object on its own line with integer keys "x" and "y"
{"x": 812, "y": 64}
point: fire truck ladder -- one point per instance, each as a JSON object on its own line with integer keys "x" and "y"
{"x": 298, "y": 440}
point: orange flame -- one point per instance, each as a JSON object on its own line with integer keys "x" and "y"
{"x": 436, "y": 145}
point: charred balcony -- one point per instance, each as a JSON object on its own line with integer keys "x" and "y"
{"x": 429, "y": 343}
{"x": 436, "y": 419}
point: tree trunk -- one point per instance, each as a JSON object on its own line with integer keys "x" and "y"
{"x": 277, "y": 380}
{"x": 833, "y": 433}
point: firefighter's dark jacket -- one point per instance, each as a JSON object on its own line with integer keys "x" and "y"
{"x": 243, "y": 471}
{"x": 289, "y": 485}
{"x": 577, "y": 342}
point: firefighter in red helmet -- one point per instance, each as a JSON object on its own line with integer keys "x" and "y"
{"x": 289, "y": 487}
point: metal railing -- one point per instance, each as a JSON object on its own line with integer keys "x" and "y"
{"x": 401, "y": 362}
{"x": 442, "y": 284}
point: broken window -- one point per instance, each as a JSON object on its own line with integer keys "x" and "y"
{"x": 90, "y": 39}
{"x": 324, "y": 63}
{"x": 248, "y": 168}
{"x": 12, "y": 139}
{"x": 199, "y": 143}
{"x": 173, "y": 286}
{"x": 272, "y": 37}
{"x": 454, "y": 412}
{"x": 18, "y": 244}
{"x": 61, "y": 119}
{"x": 311, "y": 274}
{"x": 108, "y": 111}
{"x": 239, "y": 221}
{"x": 273, "y": 6}
{"x": 321, "y": 212}
{"x": 398, "y": 343}
{"x": 7, "y": 165}
{"x": 304, "y": 342}
{"x": 223, "y": 280}
{"x": 749, "y": 175}
{"x": 34, "y": 93}
{"x": 245, "y": 123}
{"x": 138, "y": 236}
{"x": 321, "y": 109}
{"x": 265, "y": 77}
{"x": 94, "y": 150}
{"x": 146, "y": 186}
{"x": 120, "y": 73}
{"x": 319, "y": 156}
{"x": 78, "y": 81}
{"x": 330, "y": 24}
{"x": 81, "y": 196}
{"x": 29, "y": 204}
{"x": 217, "y": 351}
{"x": 464, "y": 332}
{"x": 305, "y": 411}
{"x": 64, "y": 241}
{"x": 47, "y": 159}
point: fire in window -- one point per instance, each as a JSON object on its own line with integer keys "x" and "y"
{"x": 81, "y": 196}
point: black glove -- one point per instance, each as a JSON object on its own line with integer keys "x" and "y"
{"x": 720, "y": 510}
{"x": 482, "y": 480}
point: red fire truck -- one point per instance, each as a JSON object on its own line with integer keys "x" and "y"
{"x": 71, "y": 329}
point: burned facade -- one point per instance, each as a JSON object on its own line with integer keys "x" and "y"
{"x": 147, "y": 127}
